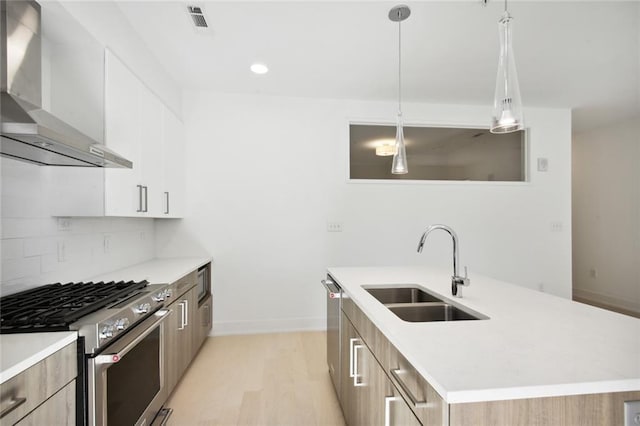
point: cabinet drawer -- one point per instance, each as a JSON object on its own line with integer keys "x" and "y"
{"x": 423, "y": 400}
{"x": 59, "y": 410}
{"x": 38, "y": 383}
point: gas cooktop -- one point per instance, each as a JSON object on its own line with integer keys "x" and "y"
{"x": 55, "y": 307}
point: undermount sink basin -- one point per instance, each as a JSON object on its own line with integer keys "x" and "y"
{"x": 414, "y": 304}
{"x": 390, "y": 295}
{"x": 440, "y": 312}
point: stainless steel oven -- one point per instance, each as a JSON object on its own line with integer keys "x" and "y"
{"x": 126, "y": 378}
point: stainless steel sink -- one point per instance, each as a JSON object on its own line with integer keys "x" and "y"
{"x": 401, "y": 295}
{"x": 441, "y": 312}
{"x": 414, "y": 304}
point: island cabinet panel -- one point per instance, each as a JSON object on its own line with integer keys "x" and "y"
{"x": 584, "y": 410}
{"x": 368, "y": 397}
{"x": 417, "y": 394}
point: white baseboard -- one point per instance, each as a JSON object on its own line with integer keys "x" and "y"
{"x": 226, "y": 328}
{"x": 614, "y": 302}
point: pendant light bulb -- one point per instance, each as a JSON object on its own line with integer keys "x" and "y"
{"x": 399, "y": 165}
{"x": 507, "y": 104}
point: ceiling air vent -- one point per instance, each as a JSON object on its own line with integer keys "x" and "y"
{"x": 197, "y": 16}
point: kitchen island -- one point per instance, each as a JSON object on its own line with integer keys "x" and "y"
{"x": 533, "y": 345}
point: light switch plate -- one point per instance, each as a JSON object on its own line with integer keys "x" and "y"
{"x": 543, "y": 164}
{"x": 632, "y": 413}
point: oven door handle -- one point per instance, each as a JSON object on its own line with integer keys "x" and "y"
{"x": 163, "y": 314}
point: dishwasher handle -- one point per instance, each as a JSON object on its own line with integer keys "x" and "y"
{"x": 333, "y": 290}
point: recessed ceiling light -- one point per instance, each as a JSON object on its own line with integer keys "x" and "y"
{"x": 259, "y": 68}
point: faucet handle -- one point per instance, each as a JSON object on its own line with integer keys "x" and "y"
{"x": 465, "y": 281}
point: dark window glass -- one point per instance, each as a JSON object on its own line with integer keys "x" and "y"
{"x": 439, "y": 153}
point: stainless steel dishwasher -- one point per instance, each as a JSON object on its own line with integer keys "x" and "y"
{"x": 334, "y": 308}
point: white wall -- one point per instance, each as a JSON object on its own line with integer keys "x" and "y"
{"x": 266, "y": 174}
{"x": 34, "y": 251}
{"x": 606, "y": 215}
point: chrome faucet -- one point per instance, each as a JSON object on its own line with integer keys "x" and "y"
{"x": 456, "y": 280}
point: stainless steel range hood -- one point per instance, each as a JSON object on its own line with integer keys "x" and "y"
{"x": 29, "y": 133}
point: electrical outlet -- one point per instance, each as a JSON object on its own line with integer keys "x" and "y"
{"x": 334, "y": 226}
{"x": 64, "y": 224}
{"x": 541, "y": 287}
{"x": 593, "y": 273}
{"x": 62, "y": 252}
{"x": 106, "y": 243}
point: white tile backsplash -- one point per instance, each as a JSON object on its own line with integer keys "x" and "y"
{"x": 36, "y": 250}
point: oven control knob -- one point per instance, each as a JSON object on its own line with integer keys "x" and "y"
{"x": 106, "y": 332}
{"x": 143, "y": 308}
{"x": 167, "y": 293}
{"x": 122, "y": 323}
{"x": 158, "y": 297}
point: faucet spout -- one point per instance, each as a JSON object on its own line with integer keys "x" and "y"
{"x": 456, "y": 279}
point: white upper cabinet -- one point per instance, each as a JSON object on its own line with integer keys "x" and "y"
{"x": 142, "y": 129}
{"x": 123, "y": 135}
{"x": 173, "y": 195}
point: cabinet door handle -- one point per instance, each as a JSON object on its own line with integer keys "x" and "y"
{"x": 356, "y": 374}
{"x": 146, "y": 199}
{"x": 12, "y": 405}
{"x": 166, "y": 193}
{"x": 182, "y": 311}
{"x": 387, "y": 409}
{"x": 351, "y": 342}
{"x": 140, "y": 209}
{"x": 186, "y": 312}
{"x": 402, "y": 387}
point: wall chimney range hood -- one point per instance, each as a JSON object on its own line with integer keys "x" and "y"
{"x": 29, "y": 133}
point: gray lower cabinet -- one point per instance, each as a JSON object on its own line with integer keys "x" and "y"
{"x": 59, "y": 410}
{"x": 179, "y": 338}
{"x": 368, "y": 397}
{"x": 43, "y": 394}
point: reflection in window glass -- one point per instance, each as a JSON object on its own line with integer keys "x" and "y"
{"x": 438, "y": 153}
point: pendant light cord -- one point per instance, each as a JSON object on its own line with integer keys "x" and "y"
{"x": 505, "y": 6}
{"x": 399, "y": 63}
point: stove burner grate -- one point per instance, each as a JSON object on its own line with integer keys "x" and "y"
{"x": 54, "y": 307}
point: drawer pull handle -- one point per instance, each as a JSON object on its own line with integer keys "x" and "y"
{"x": 12, "y": 405}
{"x": 387, "y": 409}
{"x": 356, "y": 374}
{"x": 351, "y": 342}
{"x": 402, "y": 387}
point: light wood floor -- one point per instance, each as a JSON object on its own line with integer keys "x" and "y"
{"x": 267, "y": 379}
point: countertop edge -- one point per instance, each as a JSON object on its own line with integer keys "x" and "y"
{"x": 26, "y": 363}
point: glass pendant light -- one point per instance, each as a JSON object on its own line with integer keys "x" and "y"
{"x": 507, "y": 104}
{"x": 399, "y": 166}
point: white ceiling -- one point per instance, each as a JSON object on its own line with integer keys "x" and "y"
{"x": 583, "y": 55}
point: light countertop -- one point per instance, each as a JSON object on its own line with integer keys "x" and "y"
{"x": 156, "y": 271}
{"x": 533, "y": 344}
{"x": 20, "y": 351}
